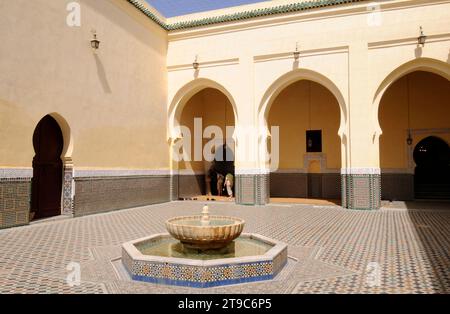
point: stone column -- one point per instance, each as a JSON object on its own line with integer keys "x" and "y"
{"x": 361, "y": 176}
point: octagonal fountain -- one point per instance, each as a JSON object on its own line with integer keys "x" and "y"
{"x": 204, "y": 251}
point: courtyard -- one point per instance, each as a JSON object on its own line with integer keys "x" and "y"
{"x": 330, "y": 249}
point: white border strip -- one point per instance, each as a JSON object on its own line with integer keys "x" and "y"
{"x": 11, "y": 173}
{"x": 119, "y": 173}
{"x": 303, "y": 170}
{"x": 360, "y": 171}
{"x": 251, "y": 171}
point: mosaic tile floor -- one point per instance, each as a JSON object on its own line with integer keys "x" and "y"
{"x": 332, "y": 250}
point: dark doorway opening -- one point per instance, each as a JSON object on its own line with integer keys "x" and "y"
{"x": 223, "y": 164}
{"x": 432, "y": 173}
{"x": 47, "y": 169}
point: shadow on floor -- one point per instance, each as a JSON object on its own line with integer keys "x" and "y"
{"x": 433, "y": 232}
{"x": 431, "y": 222}
{"x": 417, "y": 205}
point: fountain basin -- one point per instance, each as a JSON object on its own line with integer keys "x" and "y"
{"x": 219, "y": 232}
{"x": 160, "y": 259}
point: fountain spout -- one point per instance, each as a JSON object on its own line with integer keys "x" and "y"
{"x": 205, "y": 221}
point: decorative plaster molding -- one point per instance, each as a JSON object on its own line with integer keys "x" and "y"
{"x": 407, "y": 41}
{"x": 361, "y": 171}
{"x": 303, "y": 53}
{"x": 204, "y": 64}
{"x": 251, "y": 171}
{"x": 11, "y": 173}
{"x": 188, "y": 172}
{"x": 303, "y": 171}
{"x": 410, "y": 148}
{"x": 78, "y": 173}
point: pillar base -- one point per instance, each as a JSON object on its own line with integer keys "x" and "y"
{"x": 252, "y": 188}
{"x": 361, "y": 191}
{"x": 174, "y": 186}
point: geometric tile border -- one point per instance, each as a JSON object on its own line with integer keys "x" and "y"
{"x": 252, "y": 189}
{"x": 15, "y": 195}
{"x": 361, "y": 191}
{"x": 207, "y": 273}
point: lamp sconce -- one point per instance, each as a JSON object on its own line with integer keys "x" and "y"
{"x": 95, "y": 43}
{"x": 422, "y": 38}
{"x": 296, "y": 52}
{"x": 409, "y": 140}
{"x": 196, "y": 65}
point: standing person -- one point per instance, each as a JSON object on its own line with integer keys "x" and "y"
{"x": 229, "y": 180}
{"x": 220, "y": 179}
{"x": 208, "y": 182}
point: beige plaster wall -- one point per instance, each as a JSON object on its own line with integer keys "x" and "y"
{"x": 114, "y": 101}
{"x": 117, "y": 102}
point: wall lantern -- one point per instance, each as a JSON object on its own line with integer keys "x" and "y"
{"x": 95, "y": 43}
{"x": 409, "y": 140}
{"x": 296, "y": 52}
{"x": 422, "y": 38}
{"x": 195, "y": 65}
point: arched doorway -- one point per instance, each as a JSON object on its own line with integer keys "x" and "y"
{"x": 432, "y": 172}
{"x": 222, "y": 164}
{"x": 208, "y": 114}
{"x": 48, "y": 145}
{"x": 309, "y": 117}
{"x": 414, "y": 117}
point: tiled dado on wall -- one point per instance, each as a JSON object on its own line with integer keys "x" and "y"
{"x": 190, "y": 185}
{"x": 361, "y": 188}
{"x": 97, "y": 194}
{"x": 397, "y": 186}
{"x": 305, "y": 185}
{"x": 15, "y": 195}
{"x": 252, "y": 189}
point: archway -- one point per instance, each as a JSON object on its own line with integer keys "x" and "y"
{"x": 308, "y": 115}
{"x": 206, "y": 122}
{"x": 432, "y": 172}
{"x": 412, "y": 109}
{"x": 47, "y": 180}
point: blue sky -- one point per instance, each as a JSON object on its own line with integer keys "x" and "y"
{"x": 171, "y": 8}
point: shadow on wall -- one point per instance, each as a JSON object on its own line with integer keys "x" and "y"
{"x": 139, "y": 29}
{"x": 418, "y": 52}
{"x": 102, "y": 75}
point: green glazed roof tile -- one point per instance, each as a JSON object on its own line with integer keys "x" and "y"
{"x": 287, "y": 8}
